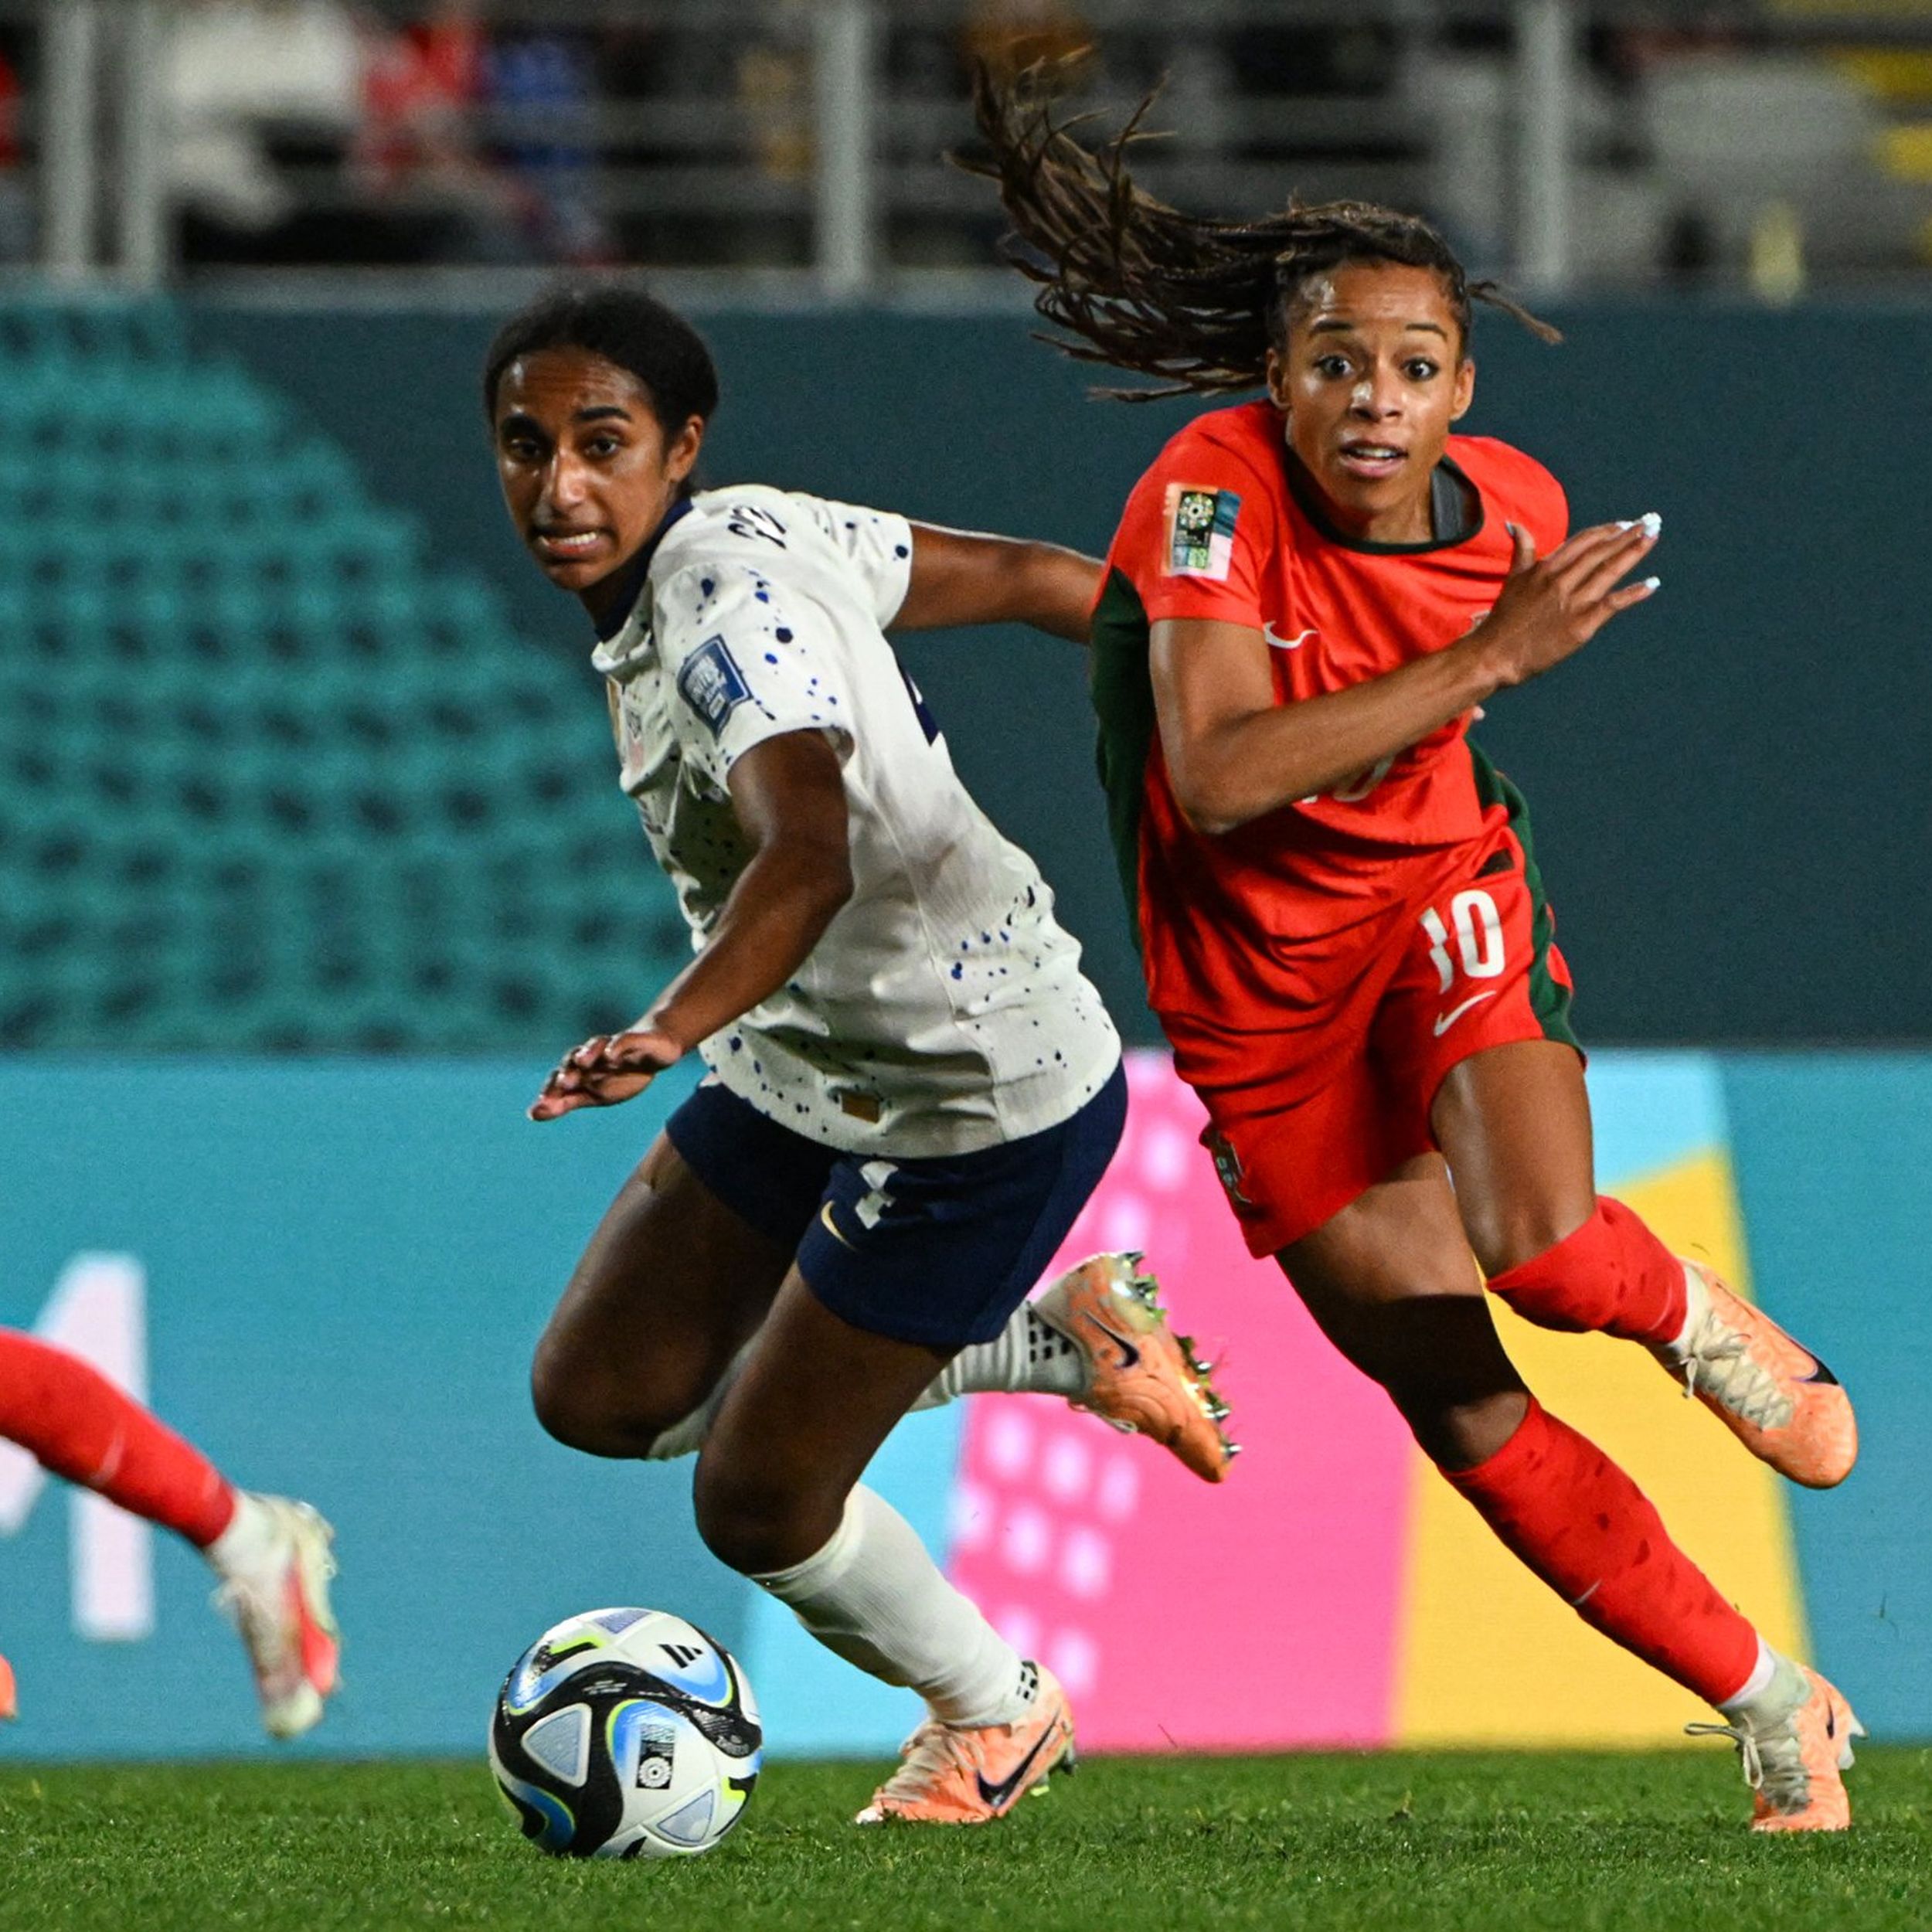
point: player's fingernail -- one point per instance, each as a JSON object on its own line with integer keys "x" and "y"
{"x": 1653, "y": 584}
{"x": 1653, "y": 524}
{"x": 1625, "y": 522}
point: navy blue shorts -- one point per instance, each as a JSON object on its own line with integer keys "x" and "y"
{"x": 939, "y": 1251}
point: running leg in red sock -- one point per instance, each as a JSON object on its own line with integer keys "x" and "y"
{"x": 1561, "y": 1505}
{"x": 1612, "y": 1275}
{"x": 73, "y": 1420}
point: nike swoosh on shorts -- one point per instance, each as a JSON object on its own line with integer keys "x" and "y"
{"x": 1445, "y": 1021}
{"x": 1285, "y": 643}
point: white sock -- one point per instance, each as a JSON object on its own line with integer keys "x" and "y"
{"x": 873, "y": 1595}
{"x": 1027, "y": 1355}
{"x": 1764, "y": 1673}
{"x": 252, "y": 1536}
{"x": 1697, "y": 1298}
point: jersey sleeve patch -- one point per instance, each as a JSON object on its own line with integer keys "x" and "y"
{"x": 1200, "y": 532}
{"x": 712, "y": 684}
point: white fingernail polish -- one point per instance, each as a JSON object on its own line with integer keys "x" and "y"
{"x": 1653, "y": 584}
{"x": 1653, "y": 524}
{"x": 1623, "y": 523}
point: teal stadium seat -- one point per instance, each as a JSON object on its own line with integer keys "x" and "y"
{"x": 314, "y": 794}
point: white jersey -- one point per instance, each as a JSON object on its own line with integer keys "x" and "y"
{"x": 944, "y": 1009}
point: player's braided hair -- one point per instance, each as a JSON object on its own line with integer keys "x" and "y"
{"x": 1196, "y": 302}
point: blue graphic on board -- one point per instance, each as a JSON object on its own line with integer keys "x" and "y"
{"x": 1832, "y": 1155}
{"x": 1651, "y": 1110}
{"x": 334, "y": 1272}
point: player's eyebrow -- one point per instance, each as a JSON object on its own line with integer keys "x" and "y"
{"x": 597, "y": 411}
{"x": 1340, "y": 325}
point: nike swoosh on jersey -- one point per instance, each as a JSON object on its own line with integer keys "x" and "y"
{"x": 831, "y": 1227}
{"x": 1285, "y": 643}
{"x": 997, "y": 1796}
{"x": 1445, "y": 1021}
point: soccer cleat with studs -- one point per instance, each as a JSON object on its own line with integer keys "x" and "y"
{"x": 971, "y": 1774}
{"x": 1794, "y": 1760}
{"x": 280, "y": 1607}
{"x": 1776, "y": 1397}
{"x": 1143, "y": 1378}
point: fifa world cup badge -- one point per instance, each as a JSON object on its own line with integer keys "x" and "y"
{"x": 1227, "y": 1166}
{"x": 1200, "y": 531}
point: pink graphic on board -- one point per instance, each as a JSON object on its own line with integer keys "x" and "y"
{"x": 1259, "y": 1614}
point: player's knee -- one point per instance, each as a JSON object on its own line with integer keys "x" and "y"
{"x": 1440, "y": 1360}
{"x": 1509, "y": 1235}
{"x": 755, "y": 1521}
{"x": 583, "y": 1410}
{"x": 1459, "y": 1434}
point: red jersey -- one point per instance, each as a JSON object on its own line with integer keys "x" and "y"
{"x": 1216, "y": 529}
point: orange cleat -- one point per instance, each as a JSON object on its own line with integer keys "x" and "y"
{"x": 1776, "y": 1397}
{"x": 1142, "y": 1378}
{"x": 9, "y": 1702}
{"x": 958, "y": 1774}
{"x": 1794, "y": 1762}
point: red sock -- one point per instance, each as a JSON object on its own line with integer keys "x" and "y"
{"x": 74, "y": 1421}
{"x": 1559, "y": 1503}
{"x": 1613, "y": 1276}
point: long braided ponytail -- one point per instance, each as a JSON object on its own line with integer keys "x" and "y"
{"x": 1195, "y": 303}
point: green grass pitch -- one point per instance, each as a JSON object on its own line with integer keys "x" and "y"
{"x": 1488, "y": 1842}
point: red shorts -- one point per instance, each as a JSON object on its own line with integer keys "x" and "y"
{"x": 1462, "y": 958}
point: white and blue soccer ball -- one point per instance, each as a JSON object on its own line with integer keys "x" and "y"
{"x": 626, "y": 1733}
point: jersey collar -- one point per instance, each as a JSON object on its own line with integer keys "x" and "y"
{"x": 1450, "y": 495}
{"x": 636, "y": 571}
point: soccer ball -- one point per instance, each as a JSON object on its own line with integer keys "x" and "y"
{"x": 624, "y": 1734}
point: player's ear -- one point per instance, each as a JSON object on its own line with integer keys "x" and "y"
{"x": 1465, "y": 392}
{"x": 1276, "y": 375}
{"x": 681, "y": 457}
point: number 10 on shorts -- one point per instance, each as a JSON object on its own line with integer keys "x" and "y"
{"x": 1478, "y": 931}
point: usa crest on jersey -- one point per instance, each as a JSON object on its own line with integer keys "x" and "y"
{"x": 1200, "y": 531}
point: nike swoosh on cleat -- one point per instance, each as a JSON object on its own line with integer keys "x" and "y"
{"x": 1447, "y": 1020}
{"x": 997, "y": 1797}
{"x": 1130, "y": 1355}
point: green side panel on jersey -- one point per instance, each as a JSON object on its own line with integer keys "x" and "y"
{"x": 1123, "y": 692}
{"x": 1549, "y": 998}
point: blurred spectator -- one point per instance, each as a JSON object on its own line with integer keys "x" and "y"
{"x": 552, "y": 74}
{"x": 417, "y": 155}
{"x": 17, "y": 225}
{"x": 233, "y": 71}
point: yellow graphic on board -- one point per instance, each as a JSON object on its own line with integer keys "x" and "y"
{"x": 1488, "y": 1656}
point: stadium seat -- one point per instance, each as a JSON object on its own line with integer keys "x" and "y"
{"x": 310, "y": 793}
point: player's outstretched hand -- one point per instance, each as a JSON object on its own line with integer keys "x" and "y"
{"x": 604, "y": 1070}
{"x": 1553, "y": 606}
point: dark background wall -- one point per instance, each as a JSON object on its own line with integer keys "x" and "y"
{"x": 1730, "y": 786}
